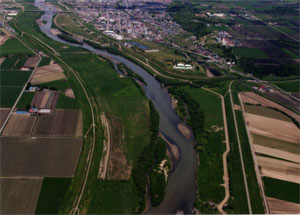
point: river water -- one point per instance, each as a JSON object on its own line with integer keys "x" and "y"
{"x": 180, "y": 191}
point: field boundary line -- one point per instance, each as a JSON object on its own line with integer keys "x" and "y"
{"x": 225, "y": 154}
{"x": 258, "y": 176}
{"x": 240, "y": 150}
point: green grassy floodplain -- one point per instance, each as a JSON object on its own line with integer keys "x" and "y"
{"x": 121, "y": 98}
{"x": 210, "y": 172}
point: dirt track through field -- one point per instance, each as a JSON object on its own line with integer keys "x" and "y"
{"x": 106, "y": 148}
{"x": 225, "y": 154}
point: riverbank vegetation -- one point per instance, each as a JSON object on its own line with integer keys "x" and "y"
{"x": 69, "y": 39}
{"x": 205, "y": 118}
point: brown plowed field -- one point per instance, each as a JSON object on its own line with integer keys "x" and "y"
{"x": 3, "y": 114}
{"x": 274, "y": 128}
{"x": 279, "y": 169}
{"x": 45, "y": 99}
{"x": 278, "y": 206}
{"x": 60, "y": 122}
{"x": 19, "y": 195}
{"x": 49, "y": 157}
{"x": 19, "y": 125}
{"x": 252, "y": 98}
{"x": 48, "y": 73}
{"x": 31, "y": 62}
{"x": 277, "y": 153}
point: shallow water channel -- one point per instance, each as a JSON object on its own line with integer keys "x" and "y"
{"x": 180, "y": 191}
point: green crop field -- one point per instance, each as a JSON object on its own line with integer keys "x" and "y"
{"x": 65, "y": 102}
{"x": 8, "y": 96}
{"x": 289, "y": 86}
{"x": 25, "y": 100}
{"x": 14, "y": 47}
{"x": 283, "y": 190}
{"x": 14, "y": 78}
{"x": 250, "y": 53}
{"x": 266, "y": 112}
{"x": 9, "y": 63}
{"x": 45, "y": 61}
{"x": 50, "y": 201}
{"x": 276, "y": 144}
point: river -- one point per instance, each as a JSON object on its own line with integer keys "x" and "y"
{"x": 180, "y": 191}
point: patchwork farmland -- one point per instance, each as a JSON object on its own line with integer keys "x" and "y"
{"x": 51, "y": 157}
{"x": 37, "y": 140}
{"x": 275, "y": 140}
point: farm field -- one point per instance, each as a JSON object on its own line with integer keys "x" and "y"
{"x": 20, "y": 125}
{"x": 8, "y": 96}
{"x": 283, "y": 170}
{"x": 19, "y": 195}
{"x": 278, "y": 206}
{"x": 55, "y": 157}
{"x": 13, "y": 63}
{"x": 31, "y": 62}
{"x": 252, "y": 98}
{"x": 13, "y": 47}
{"x": 267, "y": 112}
{"x": 25, "y": 100}
{"x": 52, "y": 72}
{"x": 14, "y": 78}
{"x": 289, "y": 86}
{"x": 45, "y": 99}
{"x": 274, "y": 128}
{"x": 285, "y": 100}
{"x": 3, "y": 114}
{"x": 250, "y": 53}
{"x": 60, "y": 122}
{"x": 275, "y": 140}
